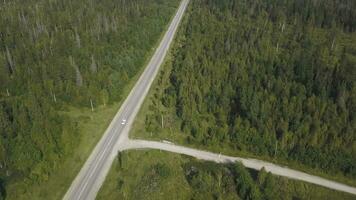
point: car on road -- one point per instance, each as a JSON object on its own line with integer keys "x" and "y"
{"x": 123, "y": 122}
{"x": 167, "y": 142}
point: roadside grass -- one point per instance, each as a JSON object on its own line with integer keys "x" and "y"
{"x": 91, "y": 127}
{"x": 137, "y": 178}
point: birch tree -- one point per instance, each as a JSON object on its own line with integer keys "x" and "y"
{"x": 78, "y": 75}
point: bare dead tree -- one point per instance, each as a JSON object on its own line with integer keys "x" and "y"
{"x": 77, "y": 38}
{"x": 93, "y": 65}
{"x": 333, "y": 43}
{"x": 91, "y": 104}
{"x": 78, "y": 75}
{"x": 277, "y": 47}
{"x": 283, "y": 26}
{"x": 9, "y": 60}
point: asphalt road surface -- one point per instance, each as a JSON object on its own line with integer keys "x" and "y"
{"x": 93, "y": 173}
{"x": 250, "y": 163}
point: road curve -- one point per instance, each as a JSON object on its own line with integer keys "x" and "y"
{"x": 250, "y": 163}
{"x": 93, "y": 173}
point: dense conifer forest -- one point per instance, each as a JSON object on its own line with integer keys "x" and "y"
{"x": 274, "y": 78}
{"x": 56, "y": 54}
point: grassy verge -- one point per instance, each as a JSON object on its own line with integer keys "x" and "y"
{"x": 91, "y": 126}
{"x": 160, "y": 175}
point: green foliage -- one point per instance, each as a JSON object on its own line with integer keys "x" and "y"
{"x": 57, "y": 54}
{"x": 274, "y": 78}
{"x": 2, "y": 190}
{"x": 119, "y": 158}
{"x": 209, "y": 181}
{"x": 268, "y": 185}
{"x": 195, "y": 179}
{"x": 245, "y": 185}
{"x": 162, "y": 170}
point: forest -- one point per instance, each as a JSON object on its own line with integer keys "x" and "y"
{"x": 57, "y": 54}
{"x": 273, "y": 78}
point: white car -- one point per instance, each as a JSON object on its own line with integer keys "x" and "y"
{"x": 123, "y": 122}
{"x": 167, "y": 142}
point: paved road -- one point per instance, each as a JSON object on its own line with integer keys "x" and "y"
{"x": 250, "y": 163}
{"x": 92, "y": 175}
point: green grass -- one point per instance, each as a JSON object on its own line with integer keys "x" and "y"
{"x": 91, "y": 126}
{"x": 137, "y": 178}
